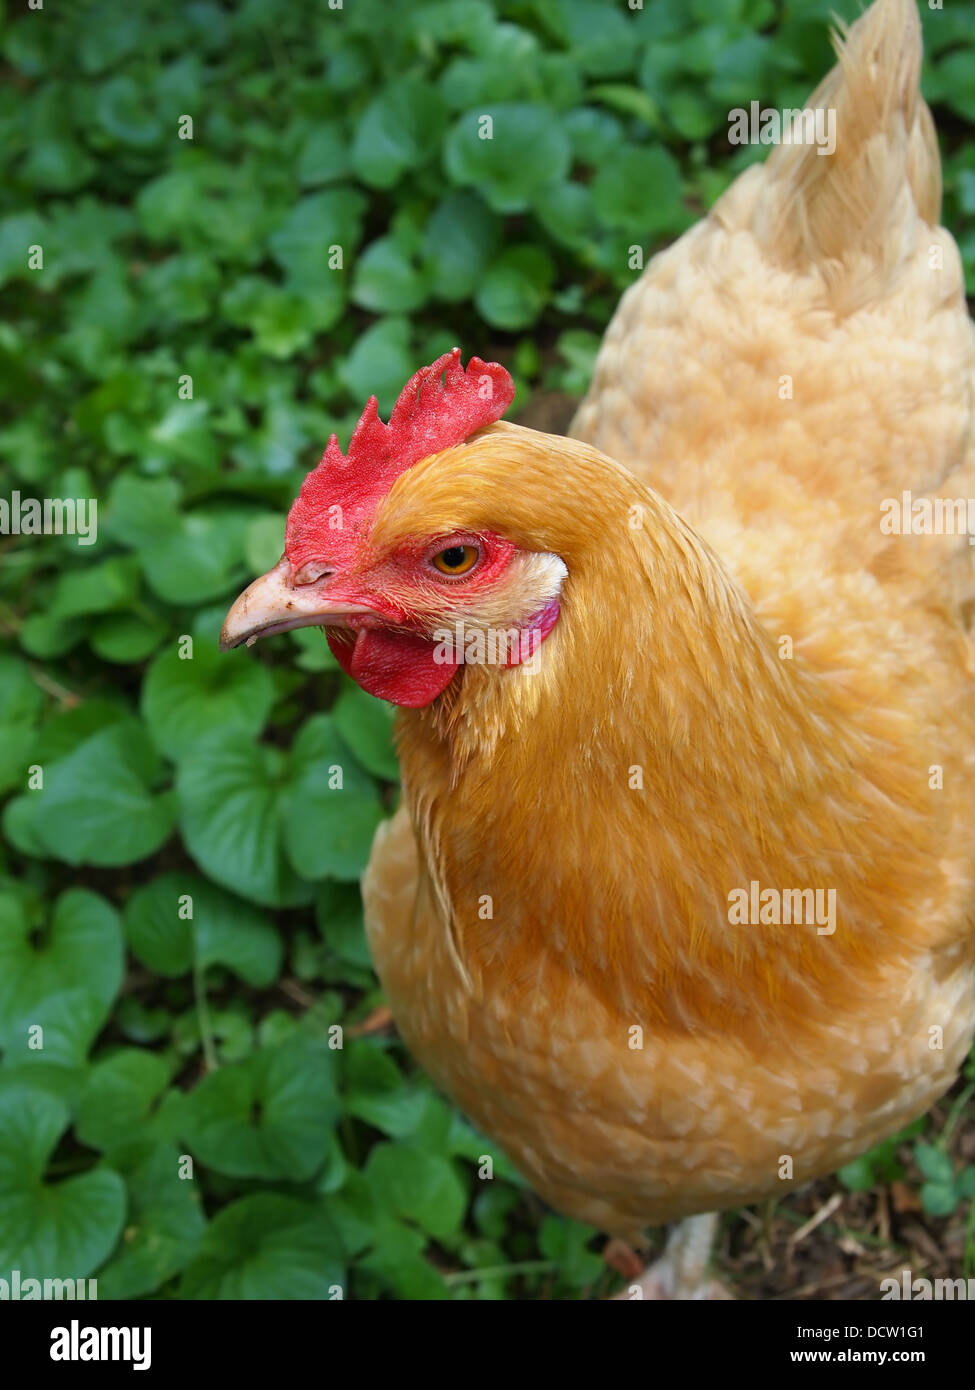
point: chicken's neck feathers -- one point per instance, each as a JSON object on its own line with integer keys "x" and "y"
{"x": 596, "y": 815}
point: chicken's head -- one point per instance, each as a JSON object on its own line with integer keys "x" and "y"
{"x": 391, "y": 547}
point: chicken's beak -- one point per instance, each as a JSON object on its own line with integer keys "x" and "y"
{"x": 274, "y": 603}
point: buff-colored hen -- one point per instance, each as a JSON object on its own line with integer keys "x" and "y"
{"x": 737, "y": 687}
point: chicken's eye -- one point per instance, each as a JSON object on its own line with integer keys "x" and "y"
{"x": 456, "y": 559}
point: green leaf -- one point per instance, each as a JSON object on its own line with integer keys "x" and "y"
{"x": 376, "y": 1091}
{"x": 69, "y": 728}
{"x": 84, "y": 232}
{"x": 270, "y": 1116}
{"x": 124, "y": 113}
{"x": 965, "y": 1183}
{"x": 515, "y": 288}
{"x": 418, "y": 1186}
{"x": 119, "y": 1096}
{"x": 62, "y": 1079}
{"x": 302, "y": 243}
{"x": 324, "y": 155}
{"x": 336, "y": 1169}
{"x": 232, "y": 1032}
{"x": 461, "y": 238}
{"x": 143, "y": 511}
{"x": 579, "y": 349}
{"x": 268, "y": 1247}
{"x": 125, "y": 639}
{"x": 511, "y": 67}
{"x": 230, "y": 793}
{"x": 566, "y": 1242}
{"x": 595, "y": 134}
{"x": 493, "y": 1207}
{"x": 397, "y": 131}
{"x": 397, "y": 1257}
{"x": 20, "y": 703}
{"x": 603, "y": 41}
{"x": 366, "y": 725}
{"x": 180, "y": 289}
{"x": 57, "y": 164}
{"x": 387, "y": 280}
{"x": 164, "y": 1224}
{"x": 314, "y": 653}
{"x": 60, "y": 1230}
{"x": 333, "y": 807}
{"x": 566, "y": 212}
{"x": 16, "y": 755}
{"x": 468, "y": 23}
{"x": 630, "y": 101}
{"x": 78, "y": 944}
{"x": 20, "y": 695}
{"x": 265, "y": 542}
{"x": 96, "y": 806}
{"x": 178, "y": 921}
{"x": 525, "y": 148}
{"x": 46, "y": 637}
{"x": 192, "y": 690}
{"x": 338, "y": 912}
{"x": 182, "y": 433}
{"x": 939, "y": 1198}
{"x": 858, "y": 1176}
{"x": 882, "y": 1163}
{"x": 18, "y": 232}
{"x": 99, "y": 589}
{"x": 934, "y": 1163}
{"x": 141, "y": 1024}
{"x": 957, "y": 83}
{"x": 67, "y": 1023}
{"x": 284, "y": 318}
{"x": 166, "y": 205}
{"x": 103, "y": 313}
{"x": 639, "y": 192}
{"x": 200, "y": 560}
{"x": 379, "y": 363}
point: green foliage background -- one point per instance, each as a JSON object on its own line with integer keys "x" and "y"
{"x": 207, "y": 779}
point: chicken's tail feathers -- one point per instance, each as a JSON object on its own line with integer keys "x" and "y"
{"x": 848, "y": 199}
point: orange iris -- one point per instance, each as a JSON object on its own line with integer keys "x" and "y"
{"x": 456, "y": 559}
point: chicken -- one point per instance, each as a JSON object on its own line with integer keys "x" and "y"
{"x": 726, "y": 695}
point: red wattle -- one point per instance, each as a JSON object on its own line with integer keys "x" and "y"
{"x": 394, "y": 666}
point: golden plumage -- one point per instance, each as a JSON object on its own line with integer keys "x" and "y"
{"x": 559, "y": 873}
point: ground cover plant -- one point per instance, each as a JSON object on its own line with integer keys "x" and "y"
{"x": 221, "y": 229}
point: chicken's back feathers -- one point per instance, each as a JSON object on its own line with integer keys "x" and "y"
{"x": 804, "y": 354}
{"x": 845, "y": 213}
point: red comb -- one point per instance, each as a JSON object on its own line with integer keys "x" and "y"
{"x": 431, "y": 414}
